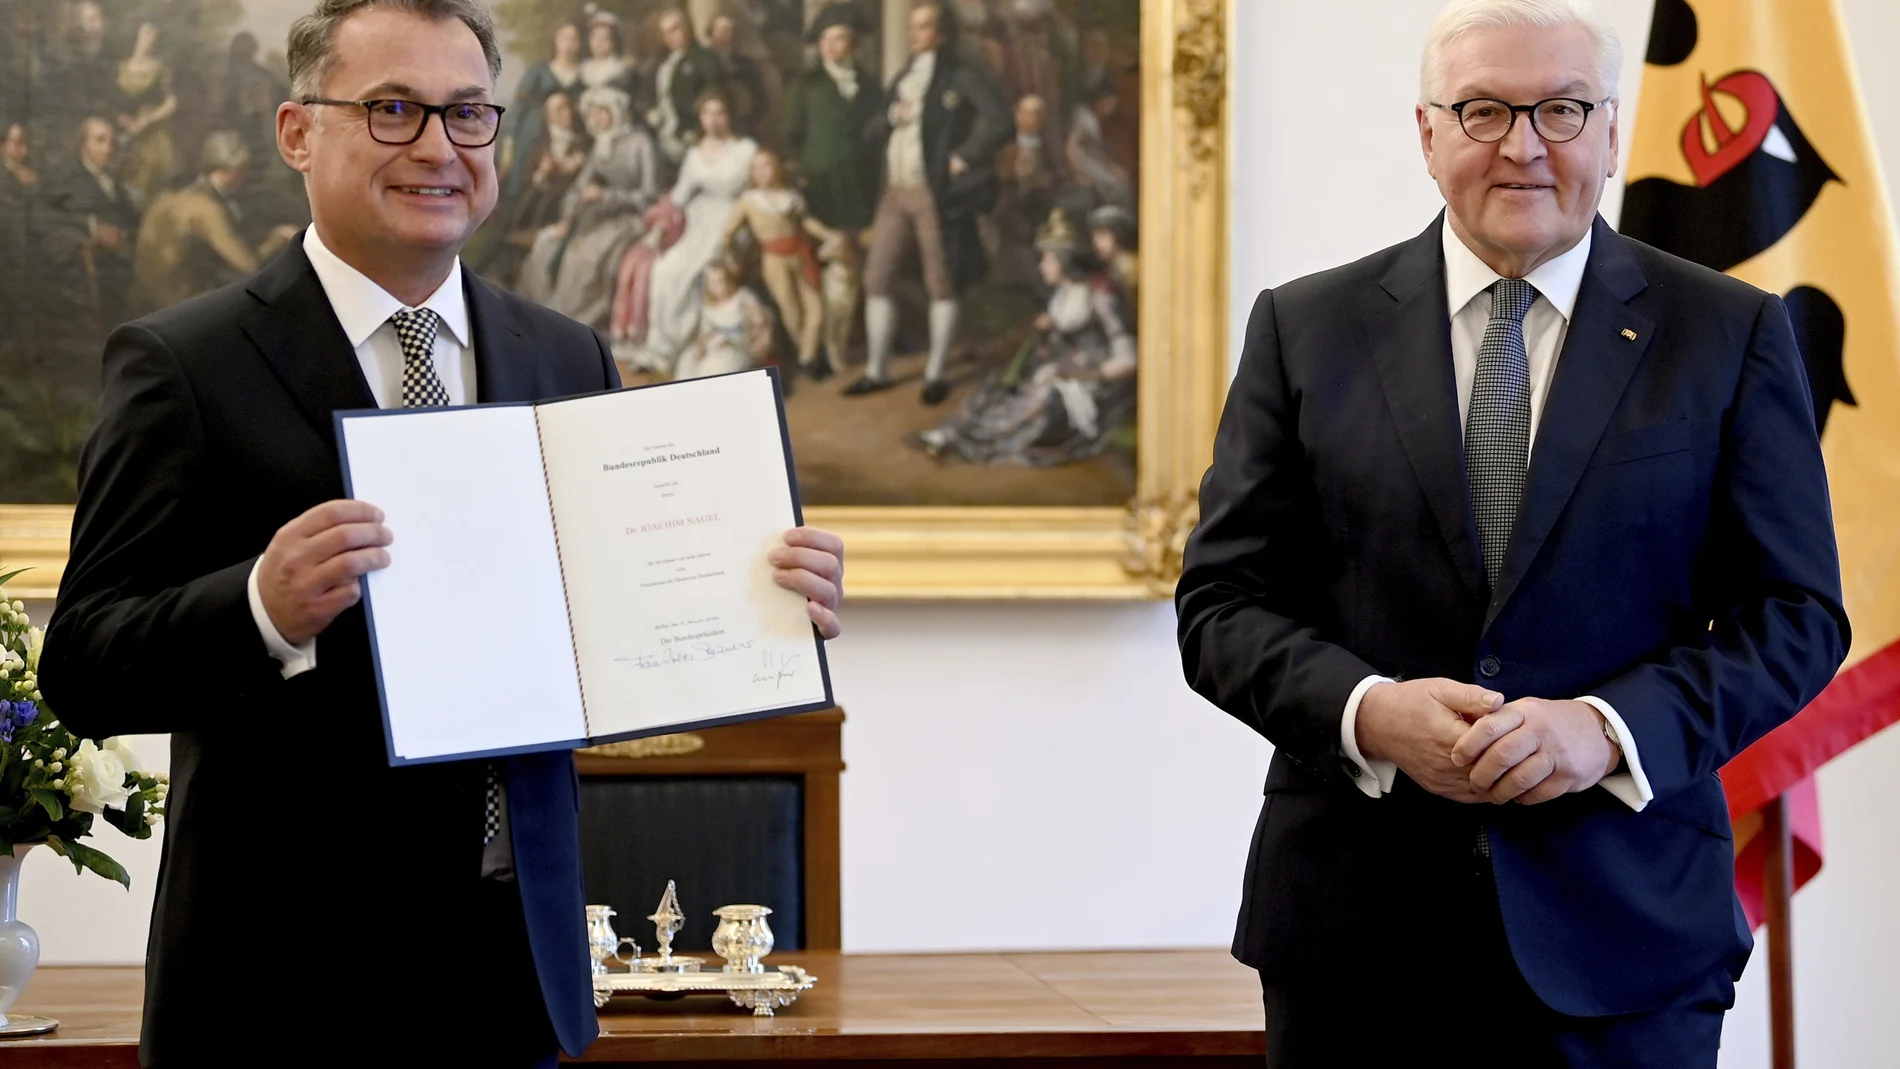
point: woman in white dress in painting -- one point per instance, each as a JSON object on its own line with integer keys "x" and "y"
{"x": 713, "y": 174}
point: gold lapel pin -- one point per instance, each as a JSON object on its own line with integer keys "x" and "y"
{"x": 1628, "y": 334}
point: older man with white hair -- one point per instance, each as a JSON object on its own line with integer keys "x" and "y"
{"x": 1516, "y": 532}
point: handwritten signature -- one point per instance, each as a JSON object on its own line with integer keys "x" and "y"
{"x": 777, "y": 668}
{"x": 687, "y": 653}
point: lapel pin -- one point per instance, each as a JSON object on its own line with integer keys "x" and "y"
{"x": 1628, "y": 334}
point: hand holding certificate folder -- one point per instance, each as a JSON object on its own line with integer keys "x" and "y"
{"x": 583, "y": 570}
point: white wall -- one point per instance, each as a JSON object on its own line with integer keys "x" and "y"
{"x": 1309, "y": 197}
{"x": 1037, "y": 776}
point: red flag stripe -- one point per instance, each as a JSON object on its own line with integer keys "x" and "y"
{"x": 1860, "y": 702}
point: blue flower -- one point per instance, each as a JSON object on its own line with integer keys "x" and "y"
{"x": 14, "y": 716}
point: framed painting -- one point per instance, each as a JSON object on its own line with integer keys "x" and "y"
{"x": 985, "y": 241}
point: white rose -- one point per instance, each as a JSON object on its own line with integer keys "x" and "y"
{"x": 116, "y": 744}
{"x": 35, "y": 642}
{"x": 97, "y": 780}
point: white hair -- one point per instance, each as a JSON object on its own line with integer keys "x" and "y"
{"x": 1461, "y": 17}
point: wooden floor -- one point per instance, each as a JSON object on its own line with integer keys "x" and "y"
{"x": 1111, "y": 1009}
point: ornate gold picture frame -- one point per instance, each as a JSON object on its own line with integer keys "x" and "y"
{"x": 1126, "y": 552}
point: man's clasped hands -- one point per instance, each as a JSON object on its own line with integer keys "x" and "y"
{"x": 1466, "y": 743}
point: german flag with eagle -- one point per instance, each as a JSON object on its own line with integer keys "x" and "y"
{"x": 1751, "y": 155}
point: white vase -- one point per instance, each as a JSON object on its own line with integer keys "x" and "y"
{"x": 19, "y": 944}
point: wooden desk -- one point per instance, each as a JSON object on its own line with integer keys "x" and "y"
{"x": 1020, "y": 1011}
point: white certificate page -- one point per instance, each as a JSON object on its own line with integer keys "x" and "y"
{"x": 469, "y": 626}
{"x": 666, "y": 501}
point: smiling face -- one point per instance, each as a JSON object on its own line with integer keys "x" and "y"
{"x": 393, "y": 204}
{"x": 1521, "y": 201}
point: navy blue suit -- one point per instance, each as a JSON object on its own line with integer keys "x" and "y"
{"x": 291, "y": 844}
{"x": 1673, "y": 555}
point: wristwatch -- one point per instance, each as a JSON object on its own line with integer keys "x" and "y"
{"x": 1616, "y": 744}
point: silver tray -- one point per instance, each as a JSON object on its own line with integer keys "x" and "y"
{"x": 763, "y": 992}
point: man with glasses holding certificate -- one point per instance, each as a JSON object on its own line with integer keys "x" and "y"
{"x": 1516, "y": 532}
{"x": 214, "y": 584}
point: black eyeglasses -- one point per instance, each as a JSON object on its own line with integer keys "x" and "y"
{"x": 401, "y": 122}
{"x": 1556, "y": 120}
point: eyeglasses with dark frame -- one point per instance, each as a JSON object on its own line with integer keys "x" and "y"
{"x": 469, "y": 124}
{"x": 1556, "y": 119}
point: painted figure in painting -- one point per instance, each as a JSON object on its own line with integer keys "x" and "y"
{"x": 607, "y": 65}
{"x": 712, "y": 175}
{"x": 1112, "y": 238}
{"x": 188, "y": 242}
{"x": 1069, "y": 389}
{"x": 684, "y": 76}
{"x": 788, "y": 260}
{"x": 941, "y": 126}
{"x": 745, "y": 79}
{"x": 19, "y": 193}
{"x": 93, "y": 223}
{"x": 572, "y": 266}
{"x": 827, "y": 110}
{"x": 558, "y": 75}
{"x": 546, "y": 172}
{"x": 145, "y": 106}
{"x": 1029, "y": 176}
{"x": 735, "y": 327}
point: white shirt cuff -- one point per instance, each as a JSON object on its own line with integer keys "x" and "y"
{"x": 292, "y": 660}
{"x": 1374, "y": 777}
{"x": 1632, "y": 787}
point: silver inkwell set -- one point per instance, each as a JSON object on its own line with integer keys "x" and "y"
{"x": 742, "y": 938}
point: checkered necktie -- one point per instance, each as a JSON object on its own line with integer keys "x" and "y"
{"x": 1498, "y": 425}
{"x": 421, "y": 386}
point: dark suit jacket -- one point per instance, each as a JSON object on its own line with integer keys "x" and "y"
{"x": 290, "y": 842}
{"x": 964, "y": 117}
{"x": 1674, "y": 555}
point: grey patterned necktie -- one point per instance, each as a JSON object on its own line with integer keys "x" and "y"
{"x": 422, "y": 388}
{"x": 1498, "y": 425}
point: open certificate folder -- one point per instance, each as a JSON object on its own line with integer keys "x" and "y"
{"x": 582, "y": 570}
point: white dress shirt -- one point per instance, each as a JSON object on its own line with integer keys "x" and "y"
{"x": 1468, "y": 282}
{"x": 904, "y": 159}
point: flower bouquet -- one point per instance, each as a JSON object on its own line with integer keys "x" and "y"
{"x": 53, "y": 784}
